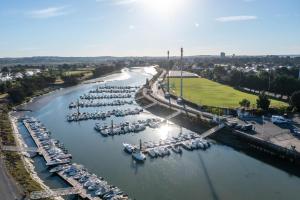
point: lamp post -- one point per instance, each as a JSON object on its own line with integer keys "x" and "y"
{"x": 180, "y": 99}
{"x": 167, "y": 94}
{"x": 181, "y": 80}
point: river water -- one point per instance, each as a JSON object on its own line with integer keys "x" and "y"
{"x": 217, "y": 173}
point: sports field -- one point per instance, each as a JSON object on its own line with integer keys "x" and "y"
{"x": 206, "y": 92}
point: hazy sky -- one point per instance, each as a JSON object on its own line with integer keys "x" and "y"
{"x": 148, "y": 27}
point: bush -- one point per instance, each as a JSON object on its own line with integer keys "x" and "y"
{"x": 295, "y": 100}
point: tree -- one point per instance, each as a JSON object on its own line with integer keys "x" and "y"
{"x": 5, "y": 70}
{"x": 245, "y": 103}
{"x": 295, "y": 100}
{"x": 17, "y": 95}
{"x": 263, "y": 102}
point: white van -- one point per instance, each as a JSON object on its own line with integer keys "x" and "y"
{"x": 276, "y": 119}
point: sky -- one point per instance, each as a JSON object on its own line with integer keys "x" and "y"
{"x": 148, "y": 27}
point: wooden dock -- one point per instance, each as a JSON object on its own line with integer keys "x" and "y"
{"x": 54, "y": 193}
{"x": 81, "y": 190}
{"x": 41, "y": 150}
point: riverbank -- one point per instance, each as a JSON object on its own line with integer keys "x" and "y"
{"x": 18, "y": 166}
{"x": 27, "y": 161}
{"x": 14, "y": 162}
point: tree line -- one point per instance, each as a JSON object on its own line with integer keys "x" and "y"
{"x": 281, "y": 81}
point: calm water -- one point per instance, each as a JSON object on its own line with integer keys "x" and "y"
{"x": 217, "y": 173}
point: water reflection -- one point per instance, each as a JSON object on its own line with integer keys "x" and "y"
{"x": 163, "y": 131}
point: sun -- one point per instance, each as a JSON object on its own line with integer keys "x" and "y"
{"x": 163, "y": 7}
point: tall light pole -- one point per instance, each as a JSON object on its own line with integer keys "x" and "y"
{"x": 167, "y": 94}
{"x": 180, "y": 99}
{"x": 181, "y": 79}
{"x": 168, "y": 72}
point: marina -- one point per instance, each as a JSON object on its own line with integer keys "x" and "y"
{"x": 95, "y": 103}
{"x": 47, "y": 147}
{"x": 163, "y": 148}
{"x": 217, "y": 172}
{"x": 87, "y": 185}
{"x": 102, "y": 115}
{"x": 126, "y": 127}
{"x": 114, "y": 90}
{"x": 105, "y": 96}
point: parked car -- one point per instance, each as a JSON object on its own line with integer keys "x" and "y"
{"x": 232, "y": 123}
{"x": 296, "y": 132}
{"x": 247, "y": 127}
{"x": 276, "y": 119}
{"x": 238, "y": 126}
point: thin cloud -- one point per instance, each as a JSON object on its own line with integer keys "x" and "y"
{"x": 49, "y": 12}
{"x": 118, "y": 2}
{"x": 131, "y": 27}
{"x": 236, "y": 18}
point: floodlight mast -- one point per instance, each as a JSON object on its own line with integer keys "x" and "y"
{"x": 181, "y": 78}
{"x": 168, "y": 73}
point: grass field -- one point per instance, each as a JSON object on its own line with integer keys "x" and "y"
{"x": 206, "y": 92}
{"x": 77, "y": 72}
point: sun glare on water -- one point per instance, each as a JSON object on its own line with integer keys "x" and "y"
{"x": 163, "y": 131}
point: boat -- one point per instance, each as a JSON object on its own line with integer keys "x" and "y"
{"x": 152, "y": 153}
{"x": 128, "y": 148}
{"x": 58, "y": 168}
{"x": 176, "y": 149}
{"x": 138, "y": 155}
{"x": 187, "y": 145}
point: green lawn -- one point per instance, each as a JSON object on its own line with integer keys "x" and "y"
{"x": 206, "y": 92}
{"x": 77, "y": 72}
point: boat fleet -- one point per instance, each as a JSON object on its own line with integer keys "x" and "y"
{"x": 99, "y": 90}
{"x": 55, "y": 150}
{"x": 91, "y": 96}
{"x": 127, "y": 127}
{"x": 162, "y": 148}
{"x": 97, "y": 103}
{"x": 90, "y": 182}
{"x": 77, "y": 116}
{"x": 116, "y": 87}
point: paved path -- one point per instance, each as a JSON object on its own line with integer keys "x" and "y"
{"x": 8, "y": 188}
{"x": 158, "y": 95}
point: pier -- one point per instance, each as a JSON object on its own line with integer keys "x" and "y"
{"x": 49, "y": 161}
{"x": 20, "y": 149}
{"x": 81, "y": 191}
{"x": 173, "y": 115}
{"x": 212, "y": 130}
{"x": 54, "y": 193}
{"x": 49, "y": 149}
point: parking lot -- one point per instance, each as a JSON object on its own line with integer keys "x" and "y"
{"x": 280, "y": 134}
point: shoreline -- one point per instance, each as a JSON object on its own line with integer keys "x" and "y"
{"x": 27, "y": 161}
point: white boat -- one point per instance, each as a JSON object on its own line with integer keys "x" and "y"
{"x": 187, "y": 145}
{"x": 138, "y": 155}
{"x": 128, "y": 147}
{"x": 152, "y": 153}
{"x": 166, "y": 151}
{"x": 176, "y": 149}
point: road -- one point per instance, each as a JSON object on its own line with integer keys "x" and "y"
{"x": 8, "y": 188}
